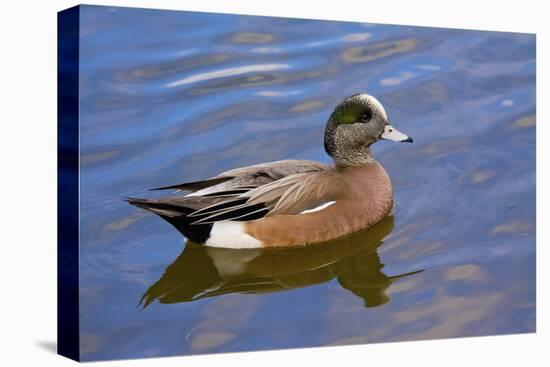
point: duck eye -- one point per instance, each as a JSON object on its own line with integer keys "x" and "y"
{"x": 366, "y": 116}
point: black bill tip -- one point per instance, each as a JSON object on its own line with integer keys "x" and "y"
{"x": 408, "y": 140}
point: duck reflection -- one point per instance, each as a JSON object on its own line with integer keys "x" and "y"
{"x": 202, "y": 271}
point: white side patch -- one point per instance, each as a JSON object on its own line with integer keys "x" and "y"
{"x": 320, "y": 207}
{"x": 231, "y": 234}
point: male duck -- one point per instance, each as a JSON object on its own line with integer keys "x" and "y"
{"x": 292, "y": 202}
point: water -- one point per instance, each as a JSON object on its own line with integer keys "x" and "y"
{"x": 168, "y": 97}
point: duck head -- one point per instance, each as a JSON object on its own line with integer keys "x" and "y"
{"x": 355, "y": 124}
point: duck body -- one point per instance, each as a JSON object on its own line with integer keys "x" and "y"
{"x": 356, "y": 198}
{"x": 291, "y": 202}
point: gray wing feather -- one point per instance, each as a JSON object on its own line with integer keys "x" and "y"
{"x": 281, "y": 187}
{"x": 261, "y": 174}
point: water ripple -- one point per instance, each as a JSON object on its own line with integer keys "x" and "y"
{"x": 245, "y": 69}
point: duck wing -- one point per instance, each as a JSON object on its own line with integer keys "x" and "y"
{"x": 247, "y": 177}
{"x": 222, "y": 193}
{"x": 289, "y": 195}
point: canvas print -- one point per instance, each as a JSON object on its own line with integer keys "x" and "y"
{"x": 236, "y": 183}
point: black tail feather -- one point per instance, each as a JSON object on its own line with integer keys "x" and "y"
{"x": 196, "y": 185}
{"x": 250, "y": 212}
{"x": 177, "y": 216}
{"x": 221, "y": 206}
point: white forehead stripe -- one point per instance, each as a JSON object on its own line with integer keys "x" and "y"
{"x": 375, "y": 103}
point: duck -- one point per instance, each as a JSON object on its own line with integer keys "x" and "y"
{"x": 291, "y": 202}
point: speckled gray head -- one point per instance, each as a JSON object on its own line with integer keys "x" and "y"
{"x": 354, "y": 125}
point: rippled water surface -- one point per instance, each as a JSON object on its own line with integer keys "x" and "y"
{"x": 168, "y": 97}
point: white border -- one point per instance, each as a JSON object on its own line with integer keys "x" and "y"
{"x": 28, "y": 161}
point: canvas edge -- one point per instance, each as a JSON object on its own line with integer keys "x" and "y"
{"x": 68, "y": 330}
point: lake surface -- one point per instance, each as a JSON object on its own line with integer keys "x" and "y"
{"x": 168, "y": 97}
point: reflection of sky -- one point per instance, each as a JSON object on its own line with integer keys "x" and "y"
{"x": 174, "y": 96}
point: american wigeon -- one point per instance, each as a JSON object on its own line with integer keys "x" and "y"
{"x": 292, "y": 202}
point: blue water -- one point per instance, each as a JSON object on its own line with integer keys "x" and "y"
{"x": 167, "y": 97}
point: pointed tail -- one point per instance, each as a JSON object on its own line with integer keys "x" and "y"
{"x": 176, "y": 215}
